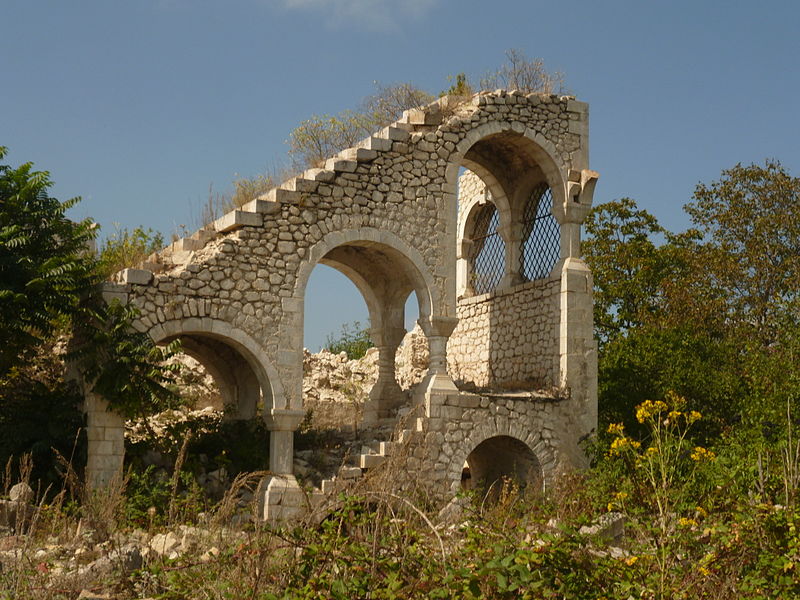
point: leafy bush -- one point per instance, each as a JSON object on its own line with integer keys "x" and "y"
{"x": 126, "y": 248}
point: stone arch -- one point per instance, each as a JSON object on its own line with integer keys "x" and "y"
{"x": 531, "y": 439}
{"x": 422, "y": 278}
{"x": 483, "y": 246}
{"x": 529, "y": 149}
{"x": 215, "y": 339}
{"x": 341, "y": 250}
{"x": 537, "y": 148}
{"x": 499, "y": 197}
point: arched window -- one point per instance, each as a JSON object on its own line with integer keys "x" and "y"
{"x": 488, "y": 251}
{"x": 541, "y": 235}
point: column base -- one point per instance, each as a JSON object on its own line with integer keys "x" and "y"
{"x": 281, "y": 499}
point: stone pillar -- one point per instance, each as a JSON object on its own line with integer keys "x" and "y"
{"x": 280, "y": 493}
{"x": 386, "y": 395}
{"x": 437, "y": 383}
{"x": 105, "y": 432}
{"x": 512, "y": 236}
{"x": 577, "y": 347}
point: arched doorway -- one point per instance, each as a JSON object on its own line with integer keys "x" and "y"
{"x": 499, "y": 461}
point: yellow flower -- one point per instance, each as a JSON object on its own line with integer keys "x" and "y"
{"x": 648, "y": 408}
{"x": 693, "y": 416}
{"x": 652, "y": 450}
{"x": 701, "y": 453}
{"x": 674, "y": 414}
{"x": 701, "y": 512}
{"x": 704, "y": 572}
{"x": 631, "y": 560}
{"x": 619, "y": 444}
{"x": 616, "y": 428}
{"x": 684, "y": 522}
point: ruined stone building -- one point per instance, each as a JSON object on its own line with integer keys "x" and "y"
{"x": 474, "y": 205}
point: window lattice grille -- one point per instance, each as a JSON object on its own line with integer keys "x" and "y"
{"x": 541, "y": 239}
{"x": 488, "y": 251}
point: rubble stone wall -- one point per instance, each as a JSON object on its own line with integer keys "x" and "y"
{"x": 385, "y": 213}
{"x": 507, "y": 339}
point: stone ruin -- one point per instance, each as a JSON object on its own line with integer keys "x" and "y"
{"x": 472, "y": 204}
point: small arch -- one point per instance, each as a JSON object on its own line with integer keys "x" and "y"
{"x": 212, "y": 338}
{"x": 499, "y": 460}
{"x": 542, "y": 450}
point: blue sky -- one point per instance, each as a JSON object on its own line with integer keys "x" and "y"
{"x": 139, "y": 107}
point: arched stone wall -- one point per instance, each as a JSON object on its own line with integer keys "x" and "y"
{"x": 489, "y": 429}
{"x": 236, "y": 339}
{"x": 241, "y": 280}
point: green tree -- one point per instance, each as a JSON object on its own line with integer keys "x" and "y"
{"x": 629, "y": 268}
{"x": 750, "y": 225}
{"x": 46, "y": 262}
{"x": 711, "y": 313}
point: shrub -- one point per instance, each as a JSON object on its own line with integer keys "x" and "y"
{"x": 352, "y": 340}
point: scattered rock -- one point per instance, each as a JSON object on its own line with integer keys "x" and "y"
{"x": 164, "y": 544}
{"x": 21, "y": 492}
{"x": 609, "y": 526}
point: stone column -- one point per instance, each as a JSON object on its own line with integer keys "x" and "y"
{"x": 280, "y": 493}
{"x": 386, "y": 395}
{"x": 105, "y": 432}
{"x": 577, "y": 347}
{"x": 512, "y": 236}
{"x": 437, "y": 383}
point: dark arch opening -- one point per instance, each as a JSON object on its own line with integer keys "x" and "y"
{"x": 500, "y": 460}
{"x": 387, "y": 279}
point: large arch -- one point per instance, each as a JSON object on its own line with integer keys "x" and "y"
{"x": 536, "y": 148}
{"x": 386, "y": 269}
{"x": 210, "y": 338}
{"x": 424, "y": 284}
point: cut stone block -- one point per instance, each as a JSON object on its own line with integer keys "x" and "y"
{"x": 359, "y": 154}
{"x": 280, "y": 195}
{"x": 369, "y": 461}
{"x": 136, "y": 276}
{"x": 341, "y": 165}
{"x": 236, "y": 219}
{"x": 262, "y": 207}
{"x": 300, "y": 184}
{"x": 349, "y": 473}
{"x": 378, "y": 144}
{"x": 319, "y": 175}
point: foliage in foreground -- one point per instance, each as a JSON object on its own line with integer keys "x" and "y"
{"x": 700, "y": 522}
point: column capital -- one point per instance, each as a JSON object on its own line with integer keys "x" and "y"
{"x": 283, "y": 419}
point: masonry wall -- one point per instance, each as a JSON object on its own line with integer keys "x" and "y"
{"x": 507, "y": 339}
